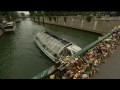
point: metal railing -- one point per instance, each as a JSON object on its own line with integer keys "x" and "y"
{"x": 92, "y": 44}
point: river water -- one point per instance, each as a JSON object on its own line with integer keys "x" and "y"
{"x": 20, "y": 58}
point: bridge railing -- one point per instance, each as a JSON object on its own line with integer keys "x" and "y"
{"x": 92, "y": 45}
{"x": 45, "y": 73}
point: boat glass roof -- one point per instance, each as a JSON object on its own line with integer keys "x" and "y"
{"x": 52, "y": 42}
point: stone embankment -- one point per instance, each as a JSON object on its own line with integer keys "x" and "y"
{"x": 1, "y": 32}
{"x": 96, "y": 25}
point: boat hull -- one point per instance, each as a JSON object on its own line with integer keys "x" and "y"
{"x": 10, "y": 29}
{"x": 44, "y": 51}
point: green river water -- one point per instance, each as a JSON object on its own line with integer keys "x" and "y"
{"x": 20, "y": 58}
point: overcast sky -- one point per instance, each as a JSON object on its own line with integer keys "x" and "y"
{"x": 26, "y": 12}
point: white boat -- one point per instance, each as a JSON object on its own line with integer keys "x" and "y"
{"x": 55, "y": 47}
{"x": 18, "y": 20}
{"x": 9, "y": 26}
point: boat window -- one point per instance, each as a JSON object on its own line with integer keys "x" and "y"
{"x": 43, "y": 46}
{"x": 8, "y": 27}
{"x": 66, "y": 52}
{"x": 37, "y": 38}
{"x": 74, "y": 52}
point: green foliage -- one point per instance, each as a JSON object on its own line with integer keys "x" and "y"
{"x": 98, "y": 16}
{"x": 9, "y": 14}
{"x": 4, "y": 13}
{"x": 69, "y": 13}
{"x": 22, "y": 14}
{"x": 14, "y": 15}
{"x": 39, "y": 13}
{"x": 54, "y": 18}
{"x": 65, "y": 19}
{"x": 88, "y": 18}
{"x": 50, "y": 18}
{"x": 57, "y": 19}
{"x": 32, "y": 13}
{"x": 34, "y": 18}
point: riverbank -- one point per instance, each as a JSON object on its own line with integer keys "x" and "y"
{"x": 101, "y": 26}
{"x": 1, "y": 32}
{"x": 71, "y": 28}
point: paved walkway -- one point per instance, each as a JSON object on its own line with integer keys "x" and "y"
{"x": 110, "y": 69}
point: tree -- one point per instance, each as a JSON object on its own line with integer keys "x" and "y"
{"x": 32, "y": 13}
{"x": 22, "y": 14}
{"x": 69, "y": 13}
{"x": 10, "y": 15}
{"x": 13, "y": 14}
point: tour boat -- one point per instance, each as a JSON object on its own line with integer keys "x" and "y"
{"x": 55, "y": 47}
{"x": 9, "y": 26}
{"x": 18, "y": 20}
